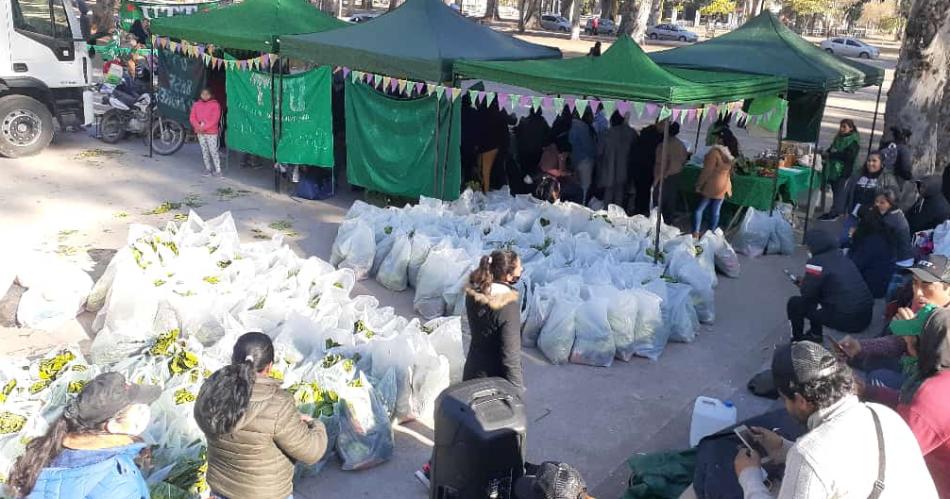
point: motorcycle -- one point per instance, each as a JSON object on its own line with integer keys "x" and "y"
{"x": 129, "y": 113}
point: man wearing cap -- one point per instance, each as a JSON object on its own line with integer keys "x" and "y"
{"x": 90, "y": 451}
{"x": 833, "y": 292}
{"x": 551, "y": 480}
{"x": 885, "y": 358}
{"x": 852, "y": 449}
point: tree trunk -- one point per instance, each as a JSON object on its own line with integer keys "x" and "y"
{"x": 392, "y": 4}
{"x": 576, "y": 20}
{"x": 565, "y": 7}
{"x": 656, "y": 13}
{"x": 367, "y": 4}
{"x": 103, "y": 15}
{"x": 919, "y": 99}
{"x": 528, "y": 10}
{"x": 491, "y": 8}
{"x": 634, "y": 18}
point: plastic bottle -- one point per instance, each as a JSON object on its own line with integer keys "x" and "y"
{"x": 710, "y": 415}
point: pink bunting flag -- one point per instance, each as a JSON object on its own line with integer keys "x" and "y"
{"x": 595, "y": 106}
{"x": 201, "y": 50}
{"x": 691, "y": 115}
{"x": 346, "y": 72}
{"x": 265, "y": 59}
{"x": 418, "y": 87}
{"x": 480, "y": 97}
{"x": 623, "y": 107}
{"x": 652, "y": 109}
{"x": 676, "y": 113}
{"x": 525, "y": 101}
{"x": 571, "y": 103}
{"x": 503, "y": 100}
{"x": 547, "y": 102}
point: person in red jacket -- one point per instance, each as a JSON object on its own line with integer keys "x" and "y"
{"x": 205, "y": 118}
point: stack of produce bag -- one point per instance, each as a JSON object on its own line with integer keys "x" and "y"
{"x": 171, "y": 305}
{"x": 578, "y": 265}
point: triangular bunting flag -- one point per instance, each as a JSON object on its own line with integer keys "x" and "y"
{"x": 676, "y": 113}
{"x": 377, "y": 79}
{"x": 503, "y": 100}
{"x": 547, "y": 102}
{"x": 558, "y": 104}
{"x": 638, "y": 108}
{"x": 594, "y": 106}
{"x": 581, "y": 106}
{"x": 456, "y": 92}
{"x": 473, "y": 97}
{"x": 609, "y": 107}
{"x": 536, "y": 102}
{"x": 489, "y": 98}
{"x": 571, "y": 103}
{"x": 439, "y": 90}
{"x": 386, "y": 81}
{"x": 346, "y": 72}
{"x": 515, "y": 101}
{"x": 402, "y": 86}
{"x": 691, "y": 115}
{"x": 419, "y": 86}
{"x": 665, "y": 112}
{"x": 479, "y": 97}
{"x": 265, "y": 59}
{"x": 430, "y": 87}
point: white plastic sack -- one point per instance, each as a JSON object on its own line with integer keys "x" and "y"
{"x": 782, "y": 239}
{"x": 392, "y": 273}
{"x": 622, "y": 314}
{"x": 445, "y": 335}
{"x": 754, "y": 233}
{"x": 443, "y": 268}
{"x": 48, "y": 304}
{"x": 128, "y": 315}
{"x": 366, "y": 435}
{"x": 594, "y": 341}
{"x": 354, "y": 248}
{"x": 680, "y": 314}
{"x": 727, "y": 261}
{"x": 557, "y": 336}
{"x": 651, "y": 336}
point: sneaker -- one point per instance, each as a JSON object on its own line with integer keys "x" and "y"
{"x": 827, "y": 217}
{"x": 423, "y": 476}
{"x": 206, "y": 174}
{"x": 218, "y": 174}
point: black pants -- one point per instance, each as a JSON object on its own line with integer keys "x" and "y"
{"x": 800, "y": 309}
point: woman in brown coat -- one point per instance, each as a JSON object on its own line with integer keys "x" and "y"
{"x": 715, "y": 181}
{"x": 255, "y": 434}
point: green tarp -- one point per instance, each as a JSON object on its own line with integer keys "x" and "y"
{"x": 254, "y": 25}
{"x": 764, "y": 45}
{"x": 752, "y": 190}
{"x": 392, "y": 147}
{"x": 130, "y": 11}
{"x": 305, "y": 120}
{"x": 805, "y": 112}
{"x": 624, "y": 72}
{"x": 180, "y": 80}
{"x": 419, "y": 40}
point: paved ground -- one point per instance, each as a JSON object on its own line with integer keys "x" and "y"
{"x": 591, "y": 417}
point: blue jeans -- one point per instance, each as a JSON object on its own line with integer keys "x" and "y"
{"x": 716, "y": 205}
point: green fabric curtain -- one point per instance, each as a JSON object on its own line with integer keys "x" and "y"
{"x": 765, "y": 46}
{"x": 252, "y": 25}
{"x": 305, "y": 126}
{"x": 419, "y": 40}
{"x": 624, "y": 71}
{"x": 805, "y": 112}
{"x": 180, "y": 80}
{"x": 391, "y": 144}
{"x": 763, "y": 105}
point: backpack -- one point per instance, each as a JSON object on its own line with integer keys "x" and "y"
{"x": 889, "y": 156}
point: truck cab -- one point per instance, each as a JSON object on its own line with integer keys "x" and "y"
{"x": 44, "y": 70}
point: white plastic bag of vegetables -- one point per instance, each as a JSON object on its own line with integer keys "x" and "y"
{"x": 445, "y": 335}
{"x": 754, "y": 233}
{"x": 557, "y": 336}
{"x": 651, "y": 335}
{"x": 622, "y": 313}
{"x": 727, "y": 261}
{"x": 442, "y": 269}
{"x": 354, "y": 247}
{"x": 594, "y": 341}
{"x": 366, "y": 435}
{"x": 392, "y": 272}
{"x": 679, "y": 313}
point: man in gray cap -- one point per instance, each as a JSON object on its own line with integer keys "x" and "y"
{"x": 852, "y": 449}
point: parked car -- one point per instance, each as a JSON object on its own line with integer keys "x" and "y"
{"x": 671, "y": 32}
{"x": 605, "y": 27}
{"x": 850, "y": 47}
{"x": 362, "y": 18}
{"x": 554, "y": 22}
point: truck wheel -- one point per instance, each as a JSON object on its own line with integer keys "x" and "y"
{"x": 26, "y": 126}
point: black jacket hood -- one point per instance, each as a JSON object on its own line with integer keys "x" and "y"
{"x": 820, "y": 241}
{"x": 930, "y": 186}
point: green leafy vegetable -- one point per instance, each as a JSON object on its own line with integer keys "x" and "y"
{"x": 11, "y": 423}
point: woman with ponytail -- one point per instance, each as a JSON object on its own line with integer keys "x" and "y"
{"x": 494, "y": 315}
{"x": 255, "y": 433}
{"x": 90, "y": 451}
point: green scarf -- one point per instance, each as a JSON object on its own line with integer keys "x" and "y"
{"x": 835, "y": 166}
{"x": 912, "y": 379}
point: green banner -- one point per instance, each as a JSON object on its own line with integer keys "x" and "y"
{"x": 403, "y": 147}
{"x": 130, "y": 10}
{"x": 180, "y": 80}
{"x": 305, "y": 127}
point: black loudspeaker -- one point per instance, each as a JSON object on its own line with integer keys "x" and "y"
{"x": 480, "y": 429}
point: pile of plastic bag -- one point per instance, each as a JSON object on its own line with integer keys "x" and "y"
{"x": 763, "y": 234}
{"x": 56, "y": 290}
{"x": 592, "y": 288}
{"x": 171, "y": 305}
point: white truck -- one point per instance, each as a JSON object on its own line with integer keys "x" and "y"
{"x": 44, "y": 70}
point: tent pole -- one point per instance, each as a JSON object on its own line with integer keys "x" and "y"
{"x": 151, "y": 91}
{"x": 435, "y": 158}
{"x": 659, "y": 192}
{"x": 699, "y": 128}
{"x": 273, "y": 129}
{"x": 777, "y": 170}
{"x": 811, "y": 184}
{"x": 448, "y": 139}
{"x": 877, "y": 106}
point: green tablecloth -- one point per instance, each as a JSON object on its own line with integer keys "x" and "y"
{"x": 754, "y": 191}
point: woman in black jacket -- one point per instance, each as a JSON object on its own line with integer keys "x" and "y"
{"x": 881, "y": 246}
{"x": 494, "y": 316}
{"x": 931, "y": 208}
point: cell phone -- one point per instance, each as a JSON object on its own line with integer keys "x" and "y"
{"x": 837, "y": 346}
{"x": 791, "y": 277}
{"x": 745, "y": 435}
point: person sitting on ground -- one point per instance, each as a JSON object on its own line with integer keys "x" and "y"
{"x": 881, "y": 357}
{"x": 833, "y": 292}
{"x": 842, "y": 155}
{"x": 551, "y": 480}
{"x": 91, "y": 449}
{"x": 612, "y": 174}
{"x": 493, "y": 308}
{"x": 595, "y": 50}
{"x": 852, "y": 449}
{"x": 714, "y": 184}
{"x": 928, "y": 410}
{"x": 669, "y": 173}
{"x": 255, "y": 433}
{"x": 881, "y": 246}
{"x": 931, "y": 208}
{"x": 205, "y": 119}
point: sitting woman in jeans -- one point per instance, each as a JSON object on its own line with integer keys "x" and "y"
{"x": 715, "y": 181}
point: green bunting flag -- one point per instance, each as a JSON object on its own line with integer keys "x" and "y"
{"x": 581, "y": 106}
{"x": 609, "y": 107}
{"x": 536, "y": 102}
{"x": 638, "y": 108}
{"x": 664, "y": 113}
{"x": 489, "y": 98}
{"x": 558, "y": 104}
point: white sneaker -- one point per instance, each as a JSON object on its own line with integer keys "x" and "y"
{"x": 421, "y": 476}
{"x": 206, "y": 174}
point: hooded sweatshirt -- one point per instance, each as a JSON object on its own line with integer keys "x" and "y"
{"x": 832, "y": 279}
{"x": 928, "y": 413}
{"x": 207, "y": 113}
{"x": 931, "y": 209}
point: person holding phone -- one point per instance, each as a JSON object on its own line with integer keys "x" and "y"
{"x": 847, "y": 441}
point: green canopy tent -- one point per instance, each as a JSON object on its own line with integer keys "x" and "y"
{"x": 764, "y": 45}
{"x": 624, "y": 71}
{"x": 253, "y": 25}
{"x": 420, "y": 40}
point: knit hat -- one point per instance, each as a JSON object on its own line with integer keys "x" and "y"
{"x": 800, "y": 363}
{"x": 551, "y": 481}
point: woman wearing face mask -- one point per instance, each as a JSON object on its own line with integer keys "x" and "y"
{"x": 90, "y": 450}
{"x": 494, "y": 314}
{"x": 254, "y": 432}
